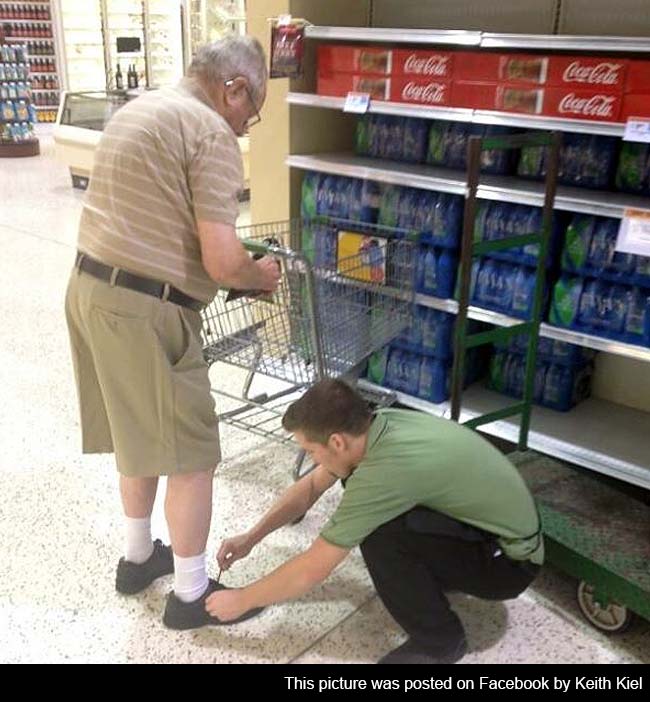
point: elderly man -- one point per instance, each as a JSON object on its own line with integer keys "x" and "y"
{"x": 433, "y": 506}
{"x": 156, "y": 238}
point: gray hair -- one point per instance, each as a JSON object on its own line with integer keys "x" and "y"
{"x": 231, "y": 57}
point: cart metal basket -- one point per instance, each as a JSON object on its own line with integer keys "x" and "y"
{"x": 347, "y": 292}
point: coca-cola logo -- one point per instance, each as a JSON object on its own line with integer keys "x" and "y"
{"x": 432, "y": 93}
{"x": 595, "y": 106}
{"x": 426, "y": 66}
{"x": 601, "y": 74}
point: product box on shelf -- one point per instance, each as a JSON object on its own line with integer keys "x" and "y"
{"x": 582, "y": 103}
{"x": 498, "y": 96}
{"x": 336, "y": 58}
{"x": 602, "y": 74}
{"x": 635, "y": 105}
{"x": 420, "y": 90}
{"x": 340, "y": 84}
{"x": 481, "y": 66}
{"x": 638, "y": 77}
{"x": 423, "y": 63}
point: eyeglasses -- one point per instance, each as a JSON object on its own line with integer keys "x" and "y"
{"x": 252, "y": 121}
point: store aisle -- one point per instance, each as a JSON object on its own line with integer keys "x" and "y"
{"x": 60, "y": 528}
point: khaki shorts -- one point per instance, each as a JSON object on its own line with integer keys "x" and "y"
{"x": 143, "y": 385}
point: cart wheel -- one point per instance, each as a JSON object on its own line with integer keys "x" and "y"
{"x": 611, "y": 619}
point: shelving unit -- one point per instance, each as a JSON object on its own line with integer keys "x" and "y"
{"x": 17, "y": 137}
{"x": 602, "y": 435}
{"x": 34, "y": 24}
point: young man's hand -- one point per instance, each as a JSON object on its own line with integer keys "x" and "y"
{"x": 227, "y": 604}
{"x": 233, "y": 549}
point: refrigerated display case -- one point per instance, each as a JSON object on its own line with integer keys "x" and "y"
{"x": 148, "y": 35}
{"x": 83, "y": 44}
{"x": 210, "y": 20}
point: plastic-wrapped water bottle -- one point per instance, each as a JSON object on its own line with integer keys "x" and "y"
{"x": 590, "y": 301}
{"x": 406, "y": 212}
{"x": 447, "y": 220}
{"x": 565, "y": 306}
{"x": 416, "y": 132}
{"x": 430, "y": 272}
{"x": 615, "y": 309}
{"x": 411, "y": 377}
{"x": 394, "y": 144}
{"x": 446, "y": 274}
{"x": 389, "y": 206}
{"x": 577, "y": 245}
{"x": 524, "y": 293}
{"x": 394, "y": 369}
{"x": 309, "y": 196}
{"x": 424, "y": 215}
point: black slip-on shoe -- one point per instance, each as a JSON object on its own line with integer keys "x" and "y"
{"x": 192, "y": 615}
{"x": 132, "y": 578}
{"x": 411, "y": 653}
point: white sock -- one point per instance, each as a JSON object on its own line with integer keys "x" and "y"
{"x": 190, "y": 577}
{"x": 139, "y": 545}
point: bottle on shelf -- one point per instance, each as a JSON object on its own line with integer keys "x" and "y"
{"x": 119, "y": 78}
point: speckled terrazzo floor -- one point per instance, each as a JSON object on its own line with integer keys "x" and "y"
{"x": 60, "y": 529}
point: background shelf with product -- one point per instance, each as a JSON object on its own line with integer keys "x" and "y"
{"x": 17, "y": 112}
{"x": 34, "y": 24}
{"x": 597, "y": 299}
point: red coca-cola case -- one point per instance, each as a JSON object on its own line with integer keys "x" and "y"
{"x": 420, "y": 91}
{"x": 595, "y": 105}
{"x": 340, "y": 84}
{"x": 635, "y": 105}
{"x": 337, "y": 58}
{"x": 481, "y": 66}
{"x": 638, "y": 77}
{"x": 418, "y": 63}
{"x": 497, "y": 96}
{"x": 582, "y": 72}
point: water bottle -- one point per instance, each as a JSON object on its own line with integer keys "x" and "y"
{"x": 411, "y": 374}
{"x": 325, "y": 198}
{"x": 642, "y": 270}
{"x": 424, "y": 215}
{"x": 363, "y": 135}
{"x": 577, "y": 245}
{"x": 394, "y": 369}
{"x": 632, "y": 175}
{"x": 601, "y": 251}
{"x": 615, "y": 309}
{"x": 447, "y": 220}
{"x": 416, "y": 132}
{"x": 524, "y": 293}
{"x": 389, "y": 205}
{"x": 394, "y": 144}
{"x": 377, "y": 367}
{"x": 430, "y": 271}
{"x": 565, "y": 305}
{"x": 590, "y": 301}
{"x": 446, "y": 274}
{"x": 481, "y": 220}
{"x": 497, "y": 372}
{"x": 635, "y": 317}
{"x": 426, "y": 379}
{"x": 532, "y": 225}
{"x": 406, "y": 209}
{"x": 342, "y": 207}
{"x": 440, "y": 384}
{"x": 309, "y": 195}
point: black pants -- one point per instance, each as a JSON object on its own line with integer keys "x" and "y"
{"x": 416, "y": 558}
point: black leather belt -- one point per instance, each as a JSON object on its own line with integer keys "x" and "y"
{"x": 124, "y": 279}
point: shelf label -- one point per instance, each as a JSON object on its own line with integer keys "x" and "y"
{"x": 634, "y": 233}
{"x": 357, "y": 102}
{"x": 637, "y": 129}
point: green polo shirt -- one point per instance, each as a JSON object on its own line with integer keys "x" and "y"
{"x": 415, "y": 459}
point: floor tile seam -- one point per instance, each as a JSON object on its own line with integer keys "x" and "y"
{"x": 332, "y": 629}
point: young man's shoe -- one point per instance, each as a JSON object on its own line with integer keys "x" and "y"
{"x": 132, "y": 578}
{"x": 411, "y": 653}
{"x": 192, "y": 615}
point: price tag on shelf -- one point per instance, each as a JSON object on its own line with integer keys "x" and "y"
{"x": 634, "y": 233}
{"x": 357, "y": 102}
{"x": 637, "y": 129}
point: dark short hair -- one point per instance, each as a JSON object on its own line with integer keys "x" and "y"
{"x": 328, "y": 407}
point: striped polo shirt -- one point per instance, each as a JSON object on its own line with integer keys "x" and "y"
{"x": 165, "y": 160}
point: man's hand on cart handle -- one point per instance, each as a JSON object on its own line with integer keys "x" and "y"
{"x": 269, "y": 273}
{"x": 234, "y": 549}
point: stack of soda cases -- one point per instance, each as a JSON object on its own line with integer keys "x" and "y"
{"x": 602, "y": 292}
{"x": 419, "y": 362}
{"x": 563, "y": 373}
{"x": 17, "y": 113}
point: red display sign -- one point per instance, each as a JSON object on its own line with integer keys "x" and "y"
{"x": 497, "y": 96}
{"x": 420, "y": 91}
{"x": 635, "y": 105}
{"x": 582, "y": 104}
{"x": 340, "y": 84}
{"x": 638, "y": 77}
{"x": 478, "y": 66}
{"x": 419, "y": 63}
{"x": 354, "y": 59}
{"x": 604, "y": 74}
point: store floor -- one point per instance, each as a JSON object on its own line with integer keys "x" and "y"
{"x": 60, "y": 527}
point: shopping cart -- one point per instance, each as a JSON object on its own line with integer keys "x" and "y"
{"x": 346, "y": 290}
